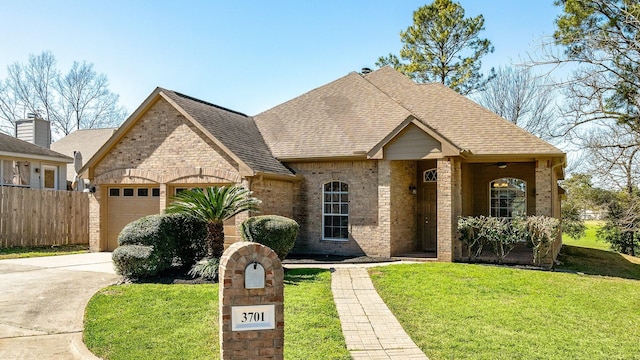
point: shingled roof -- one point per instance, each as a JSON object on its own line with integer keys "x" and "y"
{"x": 468, "y": 125}
{"x": 87, "y": 141}
{"x": 236, "y": 131}
{"x": 354, "y": 113}
{"x": 11, "y": 146}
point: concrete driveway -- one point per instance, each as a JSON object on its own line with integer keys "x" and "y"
{"x": 42, "y": 303}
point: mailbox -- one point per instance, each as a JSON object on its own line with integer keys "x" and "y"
{"x": 254, "y": 276}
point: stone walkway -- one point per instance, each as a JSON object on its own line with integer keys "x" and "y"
{"x": 370, "y": 329}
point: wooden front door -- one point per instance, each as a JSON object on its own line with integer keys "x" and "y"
{"x": 427, "y": 216}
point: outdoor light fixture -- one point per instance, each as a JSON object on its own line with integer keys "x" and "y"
{"x": 501, "y": 165}
{"x": 413, "y": 189}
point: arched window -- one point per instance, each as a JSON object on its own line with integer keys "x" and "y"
{"x": 335, "y": 213}
{"x": 508, "y": 198}
{"x": 430, "y": 175}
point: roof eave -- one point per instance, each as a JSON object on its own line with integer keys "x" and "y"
{"x": 65, "y": 159}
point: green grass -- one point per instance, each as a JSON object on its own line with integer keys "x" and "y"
{"x": 28, "y": 252}
{"x": 590, "y": 240}
{"x": 463, "y": 311}
{"x": 598, "y": 262}
{"x": 151, "y": 321}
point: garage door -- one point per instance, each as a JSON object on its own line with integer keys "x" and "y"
{"x": 126, "y": 204}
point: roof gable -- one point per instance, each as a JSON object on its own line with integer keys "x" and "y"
{"x": 231, "y": 131}
{"x": 413, "y": 140}
{"x": 466, "y": 124}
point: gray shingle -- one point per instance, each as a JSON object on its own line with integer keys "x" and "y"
{"x": 9, "y": 144}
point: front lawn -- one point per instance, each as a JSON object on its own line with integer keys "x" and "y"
{"x": 152, "y": 321}
{"x": 28, "y": 252}
{"x": 463, "y": 311}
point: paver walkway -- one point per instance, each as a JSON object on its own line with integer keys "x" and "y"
{"x": 370, "y": 329}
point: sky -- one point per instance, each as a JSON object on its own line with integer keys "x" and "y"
{"x": 244, "y": 55}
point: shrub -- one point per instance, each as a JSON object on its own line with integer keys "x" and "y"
{"x": 542, "y": 231}
{"x": 277, "y": 232}
{"x": 150, "y": 231}
{"x": 137, "y": 261}
{"x": 173, "y": 239}
{"x": 503, "y": 235}
{"x": 469, "y": 228}
{"x": 206, "y": 268}
{"x": 188, "y": 236}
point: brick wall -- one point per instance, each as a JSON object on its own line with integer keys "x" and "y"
{"x": 276, "y": 195}
{"x": 382, "y": 219}
{"x": 161, "y": 148}
{"x": 366, "y": 233}
{"x": 403, "y": 204}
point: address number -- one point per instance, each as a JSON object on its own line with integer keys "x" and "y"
{"x": 256, "y": 317}
{"x": 252, "y": 317}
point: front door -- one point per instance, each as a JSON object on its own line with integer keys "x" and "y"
{"x": 427, "y": 216}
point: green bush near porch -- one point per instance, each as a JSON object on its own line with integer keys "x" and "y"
{"x": 502, "y": 235}
{"x": 276, "y": 232}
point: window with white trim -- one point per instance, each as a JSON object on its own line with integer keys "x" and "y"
{"x": 508, "y": 198}
{"x": 335, "y": 214}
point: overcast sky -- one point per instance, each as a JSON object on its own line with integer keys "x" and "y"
{"x": 245, "y": 55}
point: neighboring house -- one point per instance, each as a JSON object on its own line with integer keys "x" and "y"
{"x": 369, "y": 164}
{"x": 86, "y": 141}
{"x": 23, "y": 164}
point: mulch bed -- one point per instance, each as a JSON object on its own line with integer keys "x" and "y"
{"x": 180, "y": 276}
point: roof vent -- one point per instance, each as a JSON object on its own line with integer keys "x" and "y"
{"x": 365, "y": 70}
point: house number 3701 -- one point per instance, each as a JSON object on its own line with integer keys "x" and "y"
{"x": 253, "y": 317}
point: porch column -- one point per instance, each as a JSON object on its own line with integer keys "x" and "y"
{"x": 544, "y": 205}
{"x": 446, "y": 210}
{"x": 383, "y": 240}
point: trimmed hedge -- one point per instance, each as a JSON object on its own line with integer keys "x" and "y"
{"x": 137, "y": 261}
{"x": 277, "y": 232}
{"x": 159, "y": 242}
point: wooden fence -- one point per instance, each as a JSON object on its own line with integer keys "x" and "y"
{"x": 33, "y": 217}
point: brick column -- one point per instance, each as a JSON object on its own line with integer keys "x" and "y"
{"x": 445, "y": 197}
{"x": 260, "y": 337}
{"x": 383, "y": 239}
{"x": 164, "y": 197}
{"x": 94, "y": 220}
{"x": 544, "y": 205}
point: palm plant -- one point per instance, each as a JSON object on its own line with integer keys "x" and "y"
{"x": 214, "y": 205}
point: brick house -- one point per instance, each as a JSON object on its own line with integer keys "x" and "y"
{"x": 370, "y": 164}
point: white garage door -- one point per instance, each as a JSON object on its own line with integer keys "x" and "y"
{"x": 126, "y": 204}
